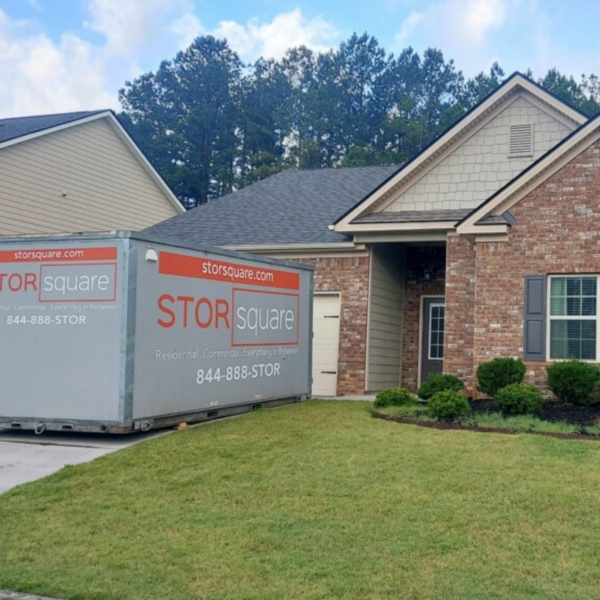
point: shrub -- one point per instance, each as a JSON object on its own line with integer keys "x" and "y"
{"x": 394, "y": 397}
{"x": 438, "y": 382}
{"x": 573, "y": 381}
{"x": 519, "y": 399}
{"x": 448, "y": 405}
{"x": 498, "y": 373}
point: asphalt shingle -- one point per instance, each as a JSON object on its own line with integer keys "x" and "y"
{"x": 291, "y": 207}
{"x": 20, "y": 126}
{"x": 413, "y": 216}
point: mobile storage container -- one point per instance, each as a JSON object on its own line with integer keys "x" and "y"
{"x": 121, "y": 332}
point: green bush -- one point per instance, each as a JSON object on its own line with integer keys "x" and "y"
{"x": 519, "y": 399}
{"x": 574, "y": 381}
{"x": 438, "y": 382}
{"x": 498, "y": 373}
{"x": 394, "y": 397}
{"x": 448, "y": 405}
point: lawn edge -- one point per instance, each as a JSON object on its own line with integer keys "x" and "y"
{"x": 10, "y": 595}
{"x": 457, "y": 426}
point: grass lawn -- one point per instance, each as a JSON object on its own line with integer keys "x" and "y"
{"x": 315, "y": 500}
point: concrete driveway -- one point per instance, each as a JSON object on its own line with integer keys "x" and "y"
{"x": 25, "y": 456}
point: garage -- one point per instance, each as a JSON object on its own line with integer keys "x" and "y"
{"x": 326, "y": 340}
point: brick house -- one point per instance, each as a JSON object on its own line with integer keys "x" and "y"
{"x": 484, "y": 245}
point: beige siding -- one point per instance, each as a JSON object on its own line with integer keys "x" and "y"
{"x": 481, "y": 166}
{"x": 385, "y": 318}
{"x": 83, "y": 178}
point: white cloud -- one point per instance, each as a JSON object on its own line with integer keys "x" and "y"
{"x": 271, "y": 40}
{"x": 48, "y": 77}
{"x": 130, "y": 25}
{"x": 408, "y": 27}
{"x": 518, "y": 34}
{"x": 72, "y": 73}
{"x": 461, "y": 28}
{"x": 187, "y": 28}
{"x": 482, "y": 16}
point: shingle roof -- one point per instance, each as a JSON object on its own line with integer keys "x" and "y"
{"x": 413, "y": 216}
{"x": 292, "y": 207}
{"x": 494, "y": 220}
{"x": 20, "y": 126}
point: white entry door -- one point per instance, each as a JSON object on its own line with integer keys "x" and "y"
{"x": 326, "y": 343}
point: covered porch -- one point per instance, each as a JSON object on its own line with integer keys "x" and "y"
{"x": 406, "y": 314}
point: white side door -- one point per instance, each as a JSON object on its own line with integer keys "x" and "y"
{"x": 326, "y": 343}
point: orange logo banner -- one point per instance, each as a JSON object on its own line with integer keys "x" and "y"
{"x": 57, "y": 255}
{"x": 216, "y": 270}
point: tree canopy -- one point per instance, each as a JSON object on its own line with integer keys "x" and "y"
{"x": 211, "y": 124}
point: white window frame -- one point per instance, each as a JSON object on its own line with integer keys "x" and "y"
{"x": 430, "y": 318}
{"x": 550, "y": 318}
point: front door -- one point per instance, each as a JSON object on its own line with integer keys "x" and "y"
{"x": 432, "y": 339}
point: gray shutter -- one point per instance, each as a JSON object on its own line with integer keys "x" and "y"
{"x": 534, "y": 327}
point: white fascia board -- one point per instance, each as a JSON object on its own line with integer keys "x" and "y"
{"x": 37, "y": 134}
{"x": 554, "y": 112}
{"x": 497, "y": 229}
{"x": 133, "y": 147}
{"x": 412, "y": 226}
{"x": 523, "y": 185}
{"x": 554, "y": 102}
{"x": 294, "y": 247}
{"x": 118, "y": 128}
{"x": 402, "y": 236}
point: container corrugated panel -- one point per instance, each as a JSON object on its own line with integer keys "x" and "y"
{"x": 122, "y": 331}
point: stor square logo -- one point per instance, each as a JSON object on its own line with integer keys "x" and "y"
{"x": 91, "y": 282}
{"x": 262, "y": 318}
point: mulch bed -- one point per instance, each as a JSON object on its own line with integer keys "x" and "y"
{"x": 552, "y": 411}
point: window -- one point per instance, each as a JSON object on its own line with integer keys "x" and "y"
{"x": 437, "y": 315}
{"x": 573, "y": 317}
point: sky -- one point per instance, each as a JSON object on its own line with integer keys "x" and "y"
{"x": 69, "y": 55}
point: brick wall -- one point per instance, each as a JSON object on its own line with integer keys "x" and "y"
{"x": 350, "y": 276}
{"x": 417, "y": 260}
{"x": 556, "y": 231}
{"x": 460, "y": 307}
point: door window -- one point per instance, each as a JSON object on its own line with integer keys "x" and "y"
{"x": 437, "y": 314}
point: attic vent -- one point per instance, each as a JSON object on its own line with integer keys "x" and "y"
{"x": 521, "y": 140}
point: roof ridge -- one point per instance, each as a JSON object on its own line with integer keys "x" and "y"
{"x": 343, "y": 167}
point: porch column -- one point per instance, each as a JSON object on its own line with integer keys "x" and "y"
{"x": 460, "y": 310}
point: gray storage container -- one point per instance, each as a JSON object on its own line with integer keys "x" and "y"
{"x": 119, "y": 332}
